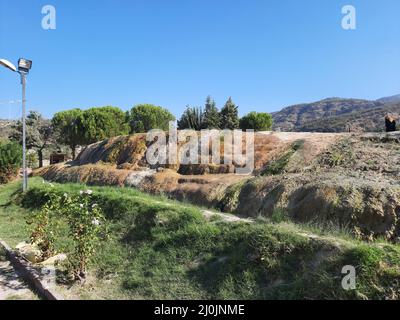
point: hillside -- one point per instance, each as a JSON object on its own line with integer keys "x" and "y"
{"x": 347, "y": 180}
{"x": 370, "y": 120}
{"x": 162, "y": 249}
{"x": 4, "y": 128}
{"x": 335, "y": 115}
{"x": 391, "y": 99}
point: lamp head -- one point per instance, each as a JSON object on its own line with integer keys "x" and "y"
{"x": 8, "y": 65}
{"x": 24, "y": 65}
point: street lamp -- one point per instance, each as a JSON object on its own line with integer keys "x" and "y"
{"x": 24, "y": 66}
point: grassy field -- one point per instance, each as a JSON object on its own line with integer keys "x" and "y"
{"x": 162, "y": 249}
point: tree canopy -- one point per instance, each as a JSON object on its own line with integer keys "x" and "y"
{"x": 79, "y": 128}
{"x": 100, "y": 123}
{"x": 144, "y": 117}
{"x": 68, "y": 132}
{"x": 39, "y": 133}
{"x": 258, "y": 121}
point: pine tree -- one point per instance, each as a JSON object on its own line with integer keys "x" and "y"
{"x": 211, "y": 115}
{"x": 229, "y": 116}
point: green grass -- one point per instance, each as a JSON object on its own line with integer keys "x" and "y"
{"x": 163, "y": 249}
{"x": 12, "y": 216}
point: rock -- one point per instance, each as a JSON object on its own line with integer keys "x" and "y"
{"x": 30, "y": 252}
{"x": 54, "y": 260}
{"x": 134, "y": 179}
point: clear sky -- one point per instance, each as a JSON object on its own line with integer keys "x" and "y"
{"x": 266, "y": 54}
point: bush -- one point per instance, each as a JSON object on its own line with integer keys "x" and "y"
{"x": 42, "y": 224}
{"x": 10, "y": 160}
{"x": 78, "y": 211}
{"x": 144, "y": 117}
{"x": 85, "y": 221}
{"x": 258, "y": 121}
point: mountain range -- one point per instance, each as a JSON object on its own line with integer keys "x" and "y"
{"x": 337, "y": 115}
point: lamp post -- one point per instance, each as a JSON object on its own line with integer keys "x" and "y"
{"x": 24, "y": 66}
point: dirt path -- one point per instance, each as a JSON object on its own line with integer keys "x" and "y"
{"x": 208, "y": 214}
{"x": 12, "y": 287}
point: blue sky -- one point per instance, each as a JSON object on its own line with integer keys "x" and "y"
{"x": 266, "y": 54}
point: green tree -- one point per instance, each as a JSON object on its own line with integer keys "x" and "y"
{"x": 144, "y": 117}
{"x": 39, "y": 134}
{"x": 211, "y": 115}
{"x": 259, "y": 121}
{"x": 67, "y": 129}
{"x": 192, "y": 118}
{"x": 101, "y": 123}
{"x": 10, "y": 160}
{"x": 229, "y": 115}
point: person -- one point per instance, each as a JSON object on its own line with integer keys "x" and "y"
{"x": 390, "y": 123}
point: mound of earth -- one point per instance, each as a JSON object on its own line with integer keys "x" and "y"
{"x": 346, "y": 180}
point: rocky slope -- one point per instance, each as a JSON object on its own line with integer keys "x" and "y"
{"x": 391, "y": 99}
{"x": 336, "y": 115}
{"x": 370, "y": 120}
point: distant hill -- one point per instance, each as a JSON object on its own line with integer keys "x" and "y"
{"x": 5, "y": 128}
{"x": 391, "y": 99}
{"x": 294, "y": 117}
{"x": 369, "y": 120}
{"x": 337, "y": 115}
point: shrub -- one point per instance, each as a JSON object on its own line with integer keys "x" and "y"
{"x": 85, "y": 220}
{"x": 42, "y": 224}
{"x": 258, "y": 121}
{"x": 10, "y": 160}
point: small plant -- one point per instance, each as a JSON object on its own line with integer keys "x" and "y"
{"x": 85, "y": 220}
{"x": 42, "y": 222}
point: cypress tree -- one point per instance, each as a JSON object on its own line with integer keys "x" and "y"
{"x": 229, "y": 116}
{"x": 211, "y": 115}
